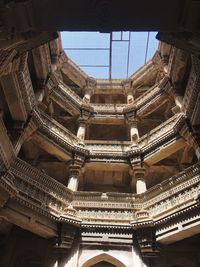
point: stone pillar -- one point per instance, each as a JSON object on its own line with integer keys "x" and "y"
{"x": 127, "y": 84}
{"x": 63, "y": 244}
{"x": 130, "y": 97}
{"x": 87, "y": 96}
{"x": 81, "y": 130}
{"x": 89, "y": 90}
{"x": 134, "y": 134}
{"x": 178, "y": 98}
{"x": 74, "y": 173}
{"x": 139, "y": 175}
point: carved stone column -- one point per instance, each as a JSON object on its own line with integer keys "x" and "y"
{"x": 63, "y": 243}
{"x": 145, "y": 233}
{"x": 89, "y": 90}
{"x": 130, "y": 97}
{"x": 134, "y": 134}
{"x": 139, "y": 176}
{"x": 128, "y": 91}
{"x": 74, "y": 173}
{"x": 81, "y": 130}
{"x": 179, "y": 102}
{"x": 87, "y": 96}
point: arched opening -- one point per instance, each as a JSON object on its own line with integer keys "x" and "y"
{"x": 103, "y": 264}
{"x": 103, "y": 260}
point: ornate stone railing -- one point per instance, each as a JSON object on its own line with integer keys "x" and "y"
{"x": 108, "y": 108}
{"x": 107, "y": 147}
{"x": 150, "y": 100}
{"x": 17, "y": 77}
{"x": 41, "y": 181}
{"x": 25, "y": 83}
{"x": 155, "y": 139}
{"x": 42, "y": 193}
{"x": 70, "y": 93}
{"x": 145, "y": 72}
{"x": 172, "y": 195}
{"x": 149, "y": 94}
{"x": 192, "y": 88}
{"x": 78, "y": 75}
{"x": 179, "y": 189}
{"x": 7, "y": 154}
{"x": 60, "y": 134}
{"x": 105, "y": 86}
{"x": 162, "y": 131}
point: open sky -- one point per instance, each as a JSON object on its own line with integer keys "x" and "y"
{"x": 90, "y": 50}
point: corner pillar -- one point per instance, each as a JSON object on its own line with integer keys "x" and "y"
{"x": 129, "y": 97}
{"x": 74, "y": 173}
{"x": 89, "y": 90}
{"x": 63, "y": 243}
{"x": 81, "y": 130}
{"x": 87, "y": 96}
{"x": 134, "y": 134}
{"x": 139, "y": 176}
{"x": 127, "y": 84}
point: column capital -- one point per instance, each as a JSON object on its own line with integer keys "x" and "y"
{"x": 91, "y": 83}
{"x": 139, "y": 172}
{"x": 130, "y": 114}
{"x": 86, "y": 111}
{"x": 74, "y": 170}
{"x": 132, "y": 121}
{"x": 74, "y": 174}
{"x": 127, "y": 84}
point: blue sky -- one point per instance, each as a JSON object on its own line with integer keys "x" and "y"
{"x": 77, "y": 46}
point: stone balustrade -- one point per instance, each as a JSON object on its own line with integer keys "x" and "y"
{"x": 44, "y": 193}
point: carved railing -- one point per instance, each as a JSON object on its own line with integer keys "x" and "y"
{"x": 181, "y": 189}
{"x": 150, "y": 100}
{"x": 107, "y": 147}
{"x": 63, "y": 137}
{"x": 108, "y": 108}
{"x": 7, "y": 154}
{"x": 172, "y": 195}
{"x": 162, "y": 131}
{"x": 145, "y": 72}
{"x": 42, "y": 181}
{"x": 192, "y": 88}
{"x": 155, "y": 139}
{"x": 25, "y": 83}
{"x": 65, "y": 97}
{"x": 109, "y": 87}
{"x": 17, "y": 77}
{"x": 78, "y": 74}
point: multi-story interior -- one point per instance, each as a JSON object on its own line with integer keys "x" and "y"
{"x": 99, "y": 172}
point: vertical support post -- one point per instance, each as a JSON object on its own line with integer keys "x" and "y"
{"x": 139, "y": 176}
{"x": 74, "y": 173}
{"x": 134, "y": 134}
{"x": 81, "y": 130}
